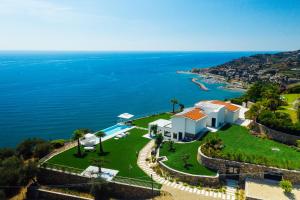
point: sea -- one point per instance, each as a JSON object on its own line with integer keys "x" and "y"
{"x": 49, "y": 94}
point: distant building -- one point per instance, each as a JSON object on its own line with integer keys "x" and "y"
{"x": 195, "y": 121}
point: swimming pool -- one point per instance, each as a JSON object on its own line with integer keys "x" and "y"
{"x": 115, "y": 128}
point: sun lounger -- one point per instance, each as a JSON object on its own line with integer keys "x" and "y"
{"x": 89, "y": 148}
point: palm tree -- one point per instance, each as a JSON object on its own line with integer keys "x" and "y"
{"x": 100, "y": 134}
{"x": 153, "y": 129}
{"x": 185, "y": 159}
{"x": 99, "y": 162}
{"x": 77, "y": 134}
{"x": 174, "y": 102}
{"x": 159, "y": 140}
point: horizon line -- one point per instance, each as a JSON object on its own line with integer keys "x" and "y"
{"x": 50, "y": 50}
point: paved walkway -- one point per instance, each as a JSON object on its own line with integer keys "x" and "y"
{"x": 142, "y": 163}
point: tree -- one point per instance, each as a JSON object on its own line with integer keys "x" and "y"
{"x": 77, "y": 134}
{"x": 26, "y": 147}
{"x": 6, "y": 153}
{"x": 286, "y": 185}
{"x": 42, "y": 149}
{"x": 153, "y": 129}
{"x": 100, "y": 134}
{"x": 29, "y": 172}
{"x": 181, "y": 107}
{"x": 171, "y": 145}
{"x": 255, "y": 110}
{"x": 99, "y": 162}
{"x": 174, "y": 102}
{"x": 185, "y": 159}
{"x": 158, "y": 140}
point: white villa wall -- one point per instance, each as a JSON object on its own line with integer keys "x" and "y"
{"x": 178, "y": 124}
{"x": 200, "y": 125}
{"x": 221, "y": 117}
{"x": 231, "y": 117}
{"x": 190, "y": 126}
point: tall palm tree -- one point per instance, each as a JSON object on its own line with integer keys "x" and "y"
{"x": 99, "y": 162}
{"x": 77, "y": 134}
{"x": 153, "y": 129}
{"x": 174, "y": 102}
{"x": 100, "y": 134}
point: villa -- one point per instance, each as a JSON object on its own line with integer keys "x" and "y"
{"x": 195, "y": 121}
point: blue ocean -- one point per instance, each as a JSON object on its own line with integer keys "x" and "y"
{"x": 49, "y": 94}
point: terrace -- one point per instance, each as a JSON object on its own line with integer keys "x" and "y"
{"x": 240, "y": 145}
{"x": 120, "y": 155}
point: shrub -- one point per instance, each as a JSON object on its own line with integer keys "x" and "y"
{"x": 26, "y": 148}
{"x": 58, "y": 143}
{"x": 6, "y": 153}
{"x": 294, "y": 90}
{"x": 298, "y": 143}
{"x": 286, "y": 185}
{"x": 42, "y": 149}
{"x": 238, "y": 100}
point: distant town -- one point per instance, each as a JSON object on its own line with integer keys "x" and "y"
{"x": 282, "y": 68}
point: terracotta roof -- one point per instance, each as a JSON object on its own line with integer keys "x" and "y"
{"x": 194, "y": 114}
{"x": 229, "y": 106}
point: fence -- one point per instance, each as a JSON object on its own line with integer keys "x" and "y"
{"x": 137, "y": 182}
{"x": 61, "y": 168}
{"x": 117, "y": 179}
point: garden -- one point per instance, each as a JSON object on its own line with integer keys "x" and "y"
{"x": 118, "y": 154}
{"x": 183, "y": 157}
{"x": 236, "y": 143}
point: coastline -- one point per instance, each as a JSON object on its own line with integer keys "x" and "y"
{"x": 212, "y": 79}
{"x": 201, "y": 85}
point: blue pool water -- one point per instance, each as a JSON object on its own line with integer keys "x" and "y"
{"x": 49, "y": 94}
{"x": 113, "y": 129}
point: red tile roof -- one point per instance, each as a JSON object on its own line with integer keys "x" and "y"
{"x": 194, "y": 114}
{"x": 229, "y": 106}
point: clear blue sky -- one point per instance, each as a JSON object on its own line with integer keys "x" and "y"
{"x": 205, "y": 25}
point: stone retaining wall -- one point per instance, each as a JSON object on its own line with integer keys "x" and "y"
{"x": 43, "y": 194}
{"x": 275, "y": 135}
{"x": 210, "y": 181}
{"x": 246, "y": 170}
{"x": 81, "y": 183}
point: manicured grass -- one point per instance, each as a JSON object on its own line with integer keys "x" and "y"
{"x": 143, "y": 122}
{"x": 119, "y": 154}
{"x": 237, "y": 140}
{"x": 289, "y": 109}
{"x": 175, "y": 158}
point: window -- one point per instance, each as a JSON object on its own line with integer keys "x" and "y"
{"x": 175, "y": 136}
{"x": 167, "y": 134}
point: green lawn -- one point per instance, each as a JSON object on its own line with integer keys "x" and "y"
{"x": 175, "y": 158}
{"x": 289, "y": 109}
{"x": 238, "y": 140}
{"x": 120, "y": 155}
{"x": 143, "y": 122}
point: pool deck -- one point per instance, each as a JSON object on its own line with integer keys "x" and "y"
{"x": 74, "y": 144}
{"x": 115, "y": 134}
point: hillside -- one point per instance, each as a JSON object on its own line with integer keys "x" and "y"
{"x": 283, "y": 68}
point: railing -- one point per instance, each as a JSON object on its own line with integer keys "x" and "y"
{"x": 137, "y": 182}
{"x": 55, "y": 152}
{"x": 117, "y": 179}
{"x": 63, "y": 168}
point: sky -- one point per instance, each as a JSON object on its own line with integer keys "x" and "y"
{"x": 150, "y": 25}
